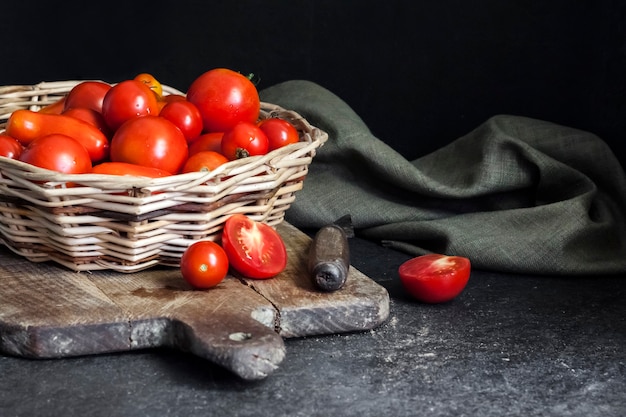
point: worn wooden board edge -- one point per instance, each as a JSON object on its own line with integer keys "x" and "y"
{"x": 361, "y": 304}
{"x": 108, "y": 312}
{"x": 252, "y": 349}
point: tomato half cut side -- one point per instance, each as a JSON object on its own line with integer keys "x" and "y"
{"x": 435, "y": 278}
{"x": 254, "y": 249}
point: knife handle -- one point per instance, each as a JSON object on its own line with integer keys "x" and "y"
{"x": 329, "y": 258}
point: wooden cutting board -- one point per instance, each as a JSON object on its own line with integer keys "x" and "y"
{"x": 47, "y": 311}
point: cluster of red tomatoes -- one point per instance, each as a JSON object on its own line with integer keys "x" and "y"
{"x": 132, "y": 128}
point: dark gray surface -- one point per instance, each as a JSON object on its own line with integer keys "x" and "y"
{"x": 509, "y": 345}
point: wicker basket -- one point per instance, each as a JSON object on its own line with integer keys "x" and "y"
{"x": 127, "y": 223}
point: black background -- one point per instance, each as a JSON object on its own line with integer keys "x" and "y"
{"x": 419, "y": 73}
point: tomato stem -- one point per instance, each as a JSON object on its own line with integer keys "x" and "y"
{"x": 255, "y": 79}
{"x": 241, "y": 153}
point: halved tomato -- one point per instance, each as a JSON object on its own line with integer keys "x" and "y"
{"x": 435, "y": 278}
{"x": 254, "y": 249}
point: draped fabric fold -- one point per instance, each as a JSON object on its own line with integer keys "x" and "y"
{"x": 514, "y": 195}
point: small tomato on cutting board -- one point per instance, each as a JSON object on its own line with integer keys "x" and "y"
{"x": 204, "y": 264}
{"x": 435, "y": 278}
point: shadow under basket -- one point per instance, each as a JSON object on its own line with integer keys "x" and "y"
{"x": 126, "y": 223}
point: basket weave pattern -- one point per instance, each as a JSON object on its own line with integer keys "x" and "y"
{"x": 123, "y": 223}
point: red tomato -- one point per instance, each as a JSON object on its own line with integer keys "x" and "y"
{"x": 125, "y": 168}
{"x": 26, "y": 126}
{"x": 254, "y": 249}
{"x": 90, "y": 116}
{"x": 150, "y": 141}
{"x": 185, "y": 115}
{"x": 243, "y": 140}
{"x": 89, "y": 94}
{"x": 164, "y": 100}
{"x": 279, "y": 132}
{"x": 224, "y": 98}
{"x": 435, "y": 278}
{"x": 204, "y": 264}
{"x": 10, "y": 147}
{"x": 55, "y": 107}
{"x": 127, "y": 100}
{"x": 206, "y": 142}
{"x": 172, "y": 97}
{"x": 204, "y": 161}
{"x": 58, "y": 153}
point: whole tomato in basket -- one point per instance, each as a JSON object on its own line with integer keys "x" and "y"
{"x": 206, "y": 142}
{"x": 10, "y": 147}
{"x": 204, "y": 161}
{"x": 56, "y": 107}
{"x": 224, "y": 98}
{"x": 151, "y": 141}
{"x": 87, "y": 94}
{"x": 127, "y": 100}
{"x": 125, "y": 168}
{"x": 243, "y": 140}
{"x": 279, "y": 132}
{"x": 26, "y": 126}
{"x": 59, "y": 153}
{"x": 185, "y": 115}
{"x": 152, "y": 83}
{"x": 90, "y": 116}
{"x": 168, "y": 98}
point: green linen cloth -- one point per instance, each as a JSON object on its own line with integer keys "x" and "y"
{"x": 513, "y": 195}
